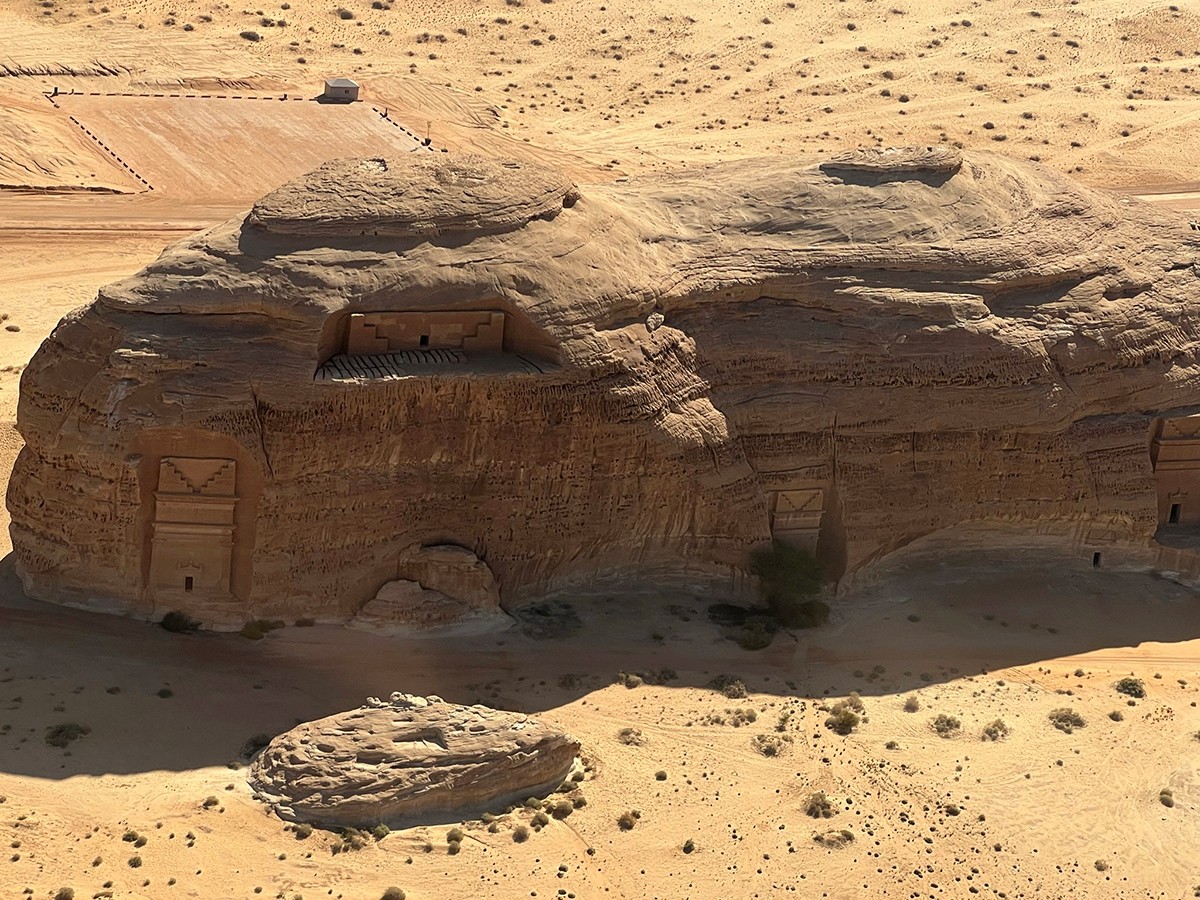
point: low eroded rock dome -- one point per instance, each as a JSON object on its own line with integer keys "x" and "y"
{"x": 410, "y": 760}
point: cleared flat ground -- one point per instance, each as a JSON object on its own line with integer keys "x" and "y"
{"x": 197, "y": 148}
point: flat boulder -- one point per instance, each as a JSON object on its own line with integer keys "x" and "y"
{"x": 410, "y": 760}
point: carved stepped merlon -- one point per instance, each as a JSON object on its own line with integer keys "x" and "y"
{"x": 192, "y": 543}
{"x": 387, "y": 332}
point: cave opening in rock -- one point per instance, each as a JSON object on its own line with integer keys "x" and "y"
{"x": 1096, "y": 560}
{"x": 1173, "y": 515}
{"x": 188, "y": 583}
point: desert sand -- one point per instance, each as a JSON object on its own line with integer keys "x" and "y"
{"x": 1104, "y": 91}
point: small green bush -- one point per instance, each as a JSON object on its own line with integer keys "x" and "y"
{"x": 627, "y": 820}
{"x": 178, "y": 622}
{"x": 1131, "y": 687}
{"x": 520, "y": 834}
{"x": 788, "y": 580}
{"x": 380, "y": 831}
{"x": 945, "y": 726}
{"x": 64, "y": 734}
{"x": 729, "y": 685}
{"x": 257, "y": 629}
{"x": 842, "y": 719}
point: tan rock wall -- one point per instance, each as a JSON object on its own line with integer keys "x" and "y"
{"x": 987, "y": 347}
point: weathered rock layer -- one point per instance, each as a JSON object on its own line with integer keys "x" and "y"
{"x": 408, "y": 761}
{"x": 629, "y": 382}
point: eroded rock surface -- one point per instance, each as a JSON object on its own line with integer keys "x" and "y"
{"x": 627, "y": 383}
{"x": 410, "y": 760}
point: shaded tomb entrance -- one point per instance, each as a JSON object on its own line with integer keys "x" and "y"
{"x": 796, "y": 518}
{"x": 1175, "y": 456}
{"x": 192, "y": 537}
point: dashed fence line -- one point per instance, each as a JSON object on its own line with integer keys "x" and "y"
{"x": 109, "y": 151}
{"x": 424, "y": 142}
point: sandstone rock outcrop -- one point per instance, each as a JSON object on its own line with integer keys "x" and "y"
{"x": 409, "y": 761}
{"x": 622, "y": 383}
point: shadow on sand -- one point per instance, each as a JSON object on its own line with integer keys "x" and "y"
{"x": 160, "y": 701}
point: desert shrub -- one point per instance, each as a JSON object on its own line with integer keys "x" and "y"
{"x": 454, "y": 836}
{"x": 210, "y": 801}
{"x": 135, "y": 862}
{"x": 842, "y": 719}
{"x": 62, "y": 735}
{"x": 1066, "y": 719}
{"x": 380, "y": 831}
{"x": 729, "y": 685}
{"x": 345, "y": 14}
{"x": 771, "y": 744}
{"x": 945, "y": 726}
{"x": 257, "y": 629}
{"x": 251, "y": 36}
{"x": 540, "y": 820}
{"x": 521, "y": 834}
{"x": 65, "y": 893}
{"x": 629, "y": 680}
{"x": 1166, "y": 797}
{"x": 302, "y": 830}
{"x": 756, "y": 634}
{"x": 891, "y": 745}
{"x": 817, "y": 806}
{"x": 834, "y": 839}
{"x": 1101, "y": 865}
{"x": 1131, "y": 687}
{"x": 393, "y": 893}
{"x": 631, "y": 737}
{"x": 562, "y": 809}
{"x": 689, "y": 845}
{"x": 178, "y": 622}
{"x": 350, "y": 839}
{"x": 912, "y": 704}
{"x": 788, "y": 580}
{"x": 1117, "y": 716}
{"x": 996, "y": 731}
{"x": 627, "y": 820}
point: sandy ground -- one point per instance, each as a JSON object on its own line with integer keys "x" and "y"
{"x": 1108, "y": 91}
{"x": 1042, "y": 813}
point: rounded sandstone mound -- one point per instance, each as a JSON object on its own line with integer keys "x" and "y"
{"x": 410, "y": 761}
{"x": 414, "y": 196}
{"x": 941, "y": 160}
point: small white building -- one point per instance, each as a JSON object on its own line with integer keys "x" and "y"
{"x": 343, "y": 90}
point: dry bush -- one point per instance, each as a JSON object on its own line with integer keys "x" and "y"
{"x": 945, "y": 726}
{"x": 631, "y": 737}
{"x": 627, "y": 820}
{"x": 818, "y": 806}
{"x": 1066, "y": 719}
{"x": 996, "y": 731}
{"x": 912, "y": 704}
{"x": 1131, "y": 687}
{"x": 729, "y": 685}
{"x": 842, "y": 719}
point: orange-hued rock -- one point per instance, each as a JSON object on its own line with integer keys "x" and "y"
{"x": 410, "y": 760}
{"x": 618, "y": 383}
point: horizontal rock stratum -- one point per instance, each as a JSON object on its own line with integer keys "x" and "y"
{"x": 409, "y": 761}
{"x": 613, "y": 384}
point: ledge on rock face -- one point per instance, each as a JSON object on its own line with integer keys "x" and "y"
{"x": 409, "y": 761}
{"x": 414, "y": 196}
{"x": 940, "y": 160}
